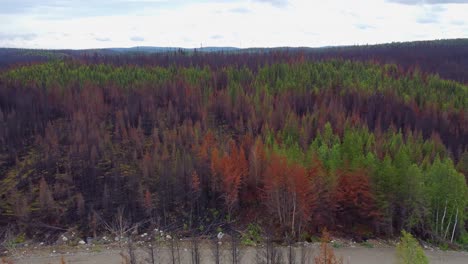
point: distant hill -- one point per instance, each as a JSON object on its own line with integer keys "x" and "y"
{"x": 172, "y": 49}
{"x": 448, "y": 58}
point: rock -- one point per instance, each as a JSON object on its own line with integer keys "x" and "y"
{"x": 168, "y": 237}
{"x": 220, "y": 235}
{"x": 116, "y": 238}
{"x": 53, "y": 251}
{"x": 41, "y": 244}
{"x": 81, "y": 242}
{"x": 64, "y": 239}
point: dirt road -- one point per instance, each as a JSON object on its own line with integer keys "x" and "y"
{"x": 250, "y": 255}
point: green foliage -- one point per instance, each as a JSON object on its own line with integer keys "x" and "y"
{"x": 463, "y": 240}
{"x": 409, "y": 251}
{"x": 367, "y": 244}
{"x": 21, "y": 238}
{"x": 444, "y": 246}
{"x": 276, "y": 78}
{"x": 252, "y": 236}
{"x": 337, "y": 244}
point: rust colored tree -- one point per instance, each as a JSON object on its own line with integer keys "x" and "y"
{"x": 288, "y": 194}
{"x": 327, "y": 255}
{"x": 355, "y": 208}
{"x": 230, "y": 170}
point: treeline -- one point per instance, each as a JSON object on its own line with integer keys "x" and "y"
{"x": 447, "y": 58}
{"x": 295, "y": 146}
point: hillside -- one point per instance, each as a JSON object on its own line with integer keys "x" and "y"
{"x": 290, "y": 140}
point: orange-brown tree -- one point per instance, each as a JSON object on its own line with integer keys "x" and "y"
{"x": 354, "y": 202}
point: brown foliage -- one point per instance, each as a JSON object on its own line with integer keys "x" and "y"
{"x": 355, "y": 203}
{"x": 45, "y": 196}
{"x": 327, "y": 255}
{"x": 195, "y": 182}
{"x": 7, "y": 261}
{"x": 229, "y": 172}
{"x": 288, "y": 193}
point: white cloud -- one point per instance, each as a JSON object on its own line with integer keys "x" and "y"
{"x": 430, "y": 2}
{"x": 241, "y": 23}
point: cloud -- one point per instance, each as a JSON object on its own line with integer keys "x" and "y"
{"x": 458, "y": 22}
{"x": 428, "y": 2}
{"x": 103, "y": 39}
{"x": 217, "y": 37}
{"x": 277, "y": 3}
{"x": 245, "y": 23}
{"x": 241, "y": 10}
{"x": 7, "y": 36}
{"x": 83, "y": 8}
{"x": 137, "y": 39}
{"x": 431, "y": 15}
{"x": 427, "y": 20}
{"x": 364, "y": 26}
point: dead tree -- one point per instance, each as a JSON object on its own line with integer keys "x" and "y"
{"x": 270, "y": 254}
{"x": 174, "y": 247}
{"x": 235, "y": 252}
{"x": 195, "y": 250}
{"x": 216, "y": 250}
{"x": 304, "y": 254}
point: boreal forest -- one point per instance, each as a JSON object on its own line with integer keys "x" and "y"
{"x": 365, "y": 141}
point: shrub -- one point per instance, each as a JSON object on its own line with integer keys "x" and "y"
{"x": 253, "y": 235}
{"x": 409, "y": 251}
{"x": 327, "y": 255}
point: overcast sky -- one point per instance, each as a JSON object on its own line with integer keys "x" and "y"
{"x": 241, "y": 23}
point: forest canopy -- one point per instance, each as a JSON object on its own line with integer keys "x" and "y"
{"x": 363, "y": 148}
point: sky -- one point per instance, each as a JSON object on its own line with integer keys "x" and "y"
{"x": 82, "y": 24}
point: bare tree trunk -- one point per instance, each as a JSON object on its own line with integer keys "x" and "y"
{"x": 131, "y": 252}
{"x": 195, "y": 251}
{"x": 303, "y": 259}
{"x": 443, "y": 218}
{"x": 448, "y": 225}
{"x": 437, "y": 219}
{"x": 454, "y": 226}
{"x": 291, "y": 254}
{"x": 216, "y": 252}
{"x": 151, "y": 253}
{"x": 174, "y": 251}
{"x": 234, "y": 249}
{"x": 279, "y": 208}
{"x": 293, "y": 214}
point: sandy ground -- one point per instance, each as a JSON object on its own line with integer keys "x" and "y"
{"x": 249, "y": 255}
